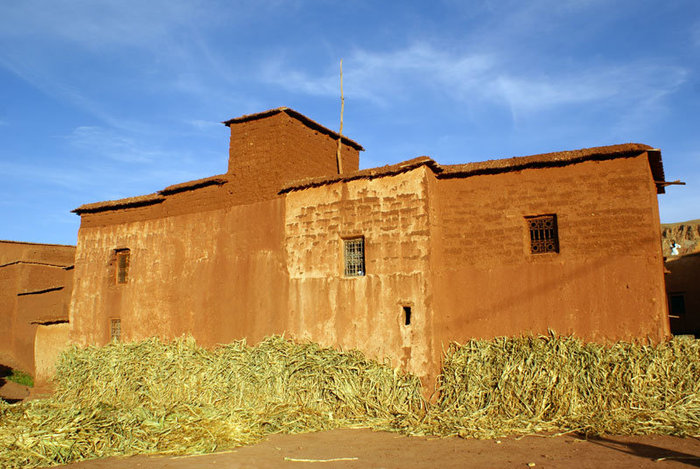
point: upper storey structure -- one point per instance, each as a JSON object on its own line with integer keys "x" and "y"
{"x": 267, "y": 151}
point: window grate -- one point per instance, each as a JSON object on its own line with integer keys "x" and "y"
{"x": 355, "y": 257}
{"x": 122, "y": 265}
{"x": 544, "y": 236}
{"x": 115, "y": 330}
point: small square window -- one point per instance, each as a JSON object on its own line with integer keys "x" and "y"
{"x": 115, "y": 330}
{"x": 122, "y": 260}
{"x": 354, "y": 257}
{"x": 544, "y": 236}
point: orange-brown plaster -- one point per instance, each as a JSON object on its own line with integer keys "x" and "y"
{"x": 259, "y": 250}
{"x": 35, "y": 286}
{"x": 597, "y": 287}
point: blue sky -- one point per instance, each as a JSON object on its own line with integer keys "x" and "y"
{"x": 108, "y": 99}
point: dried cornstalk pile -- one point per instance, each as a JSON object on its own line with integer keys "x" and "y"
{"x": 558, "y": 384}
{"x": 178, "y": 398}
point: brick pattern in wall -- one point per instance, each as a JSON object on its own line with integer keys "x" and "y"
{"x": 391, "y": 213}
{"x": 267, "y": 153}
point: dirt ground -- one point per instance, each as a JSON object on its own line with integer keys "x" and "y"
{"x": 362, "y": 448}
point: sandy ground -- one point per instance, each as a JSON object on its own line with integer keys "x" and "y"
{"x": 363, "y": 448}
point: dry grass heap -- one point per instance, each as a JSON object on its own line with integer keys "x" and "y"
{"x": 177, "y": 398}
{"x": 558, "y": 384}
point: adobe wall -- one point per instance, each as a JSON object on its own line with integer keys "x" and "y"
{"x": 51, "y": 340}
{"x": 11, "y": 251}
{"x": 8, "y": 305}
{"x": 606, "y": 283}
{"x": 363, "y": 312}
{"x": 265, "y": 154}
{"x": 219, "y": 275}
{"x": 29, "y": 293}
{"x": 683, "y": 278}
{"x": 201, "y": 200}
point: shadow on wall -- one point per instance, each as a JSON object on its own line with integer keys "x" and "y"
{"x": 4, "y": 372}
{"x": 683, "y": 293}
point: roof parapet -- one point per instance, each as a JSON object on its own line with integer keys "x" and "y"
{"x": 300, "y": 117}
{"x": 544, "y": 160}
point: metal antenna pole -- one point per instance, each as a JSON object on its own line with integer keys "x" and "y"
{"x": 340, "y": 133}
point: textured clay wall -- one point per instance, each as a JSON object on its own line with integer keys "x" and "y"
{"x": 30, "y": 293}
{"x": 267, "y": 153}
{"x": 363, "y": 312}
{"x": 200, "y": 200}
{"x": 8, "y": 306}
{"x": 11, "y": 251}
{"x": 218, "y": 275}
{"x": 51, "y": 340}
{"x": 684, "y": 279}
{"x": 599, "y": 286}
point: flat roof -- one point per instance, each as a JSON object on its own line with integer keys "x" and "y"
{"x": 544, "y": 160}
{"x": 37, "y": 244}
{"x": 297, "y": 115}
{"x": 151, "y": 199}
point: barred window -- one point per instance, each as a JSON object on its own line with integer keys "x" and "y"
{"x": 115, "y": 330}
{"x": 544, "y": 236}
{"x": 354, "y": 257}
{"x": 122, "y": 258}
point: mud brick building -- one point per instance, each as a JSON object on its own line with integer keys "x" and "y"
{"x": 683, "y": 290}
{"x": 35, "y": 291}
{"x": 683, "y": 276}
{"x": 396, "y": 261}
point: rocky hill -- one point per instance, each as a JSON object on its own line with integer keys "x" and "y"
{"x": 685, "y": 233}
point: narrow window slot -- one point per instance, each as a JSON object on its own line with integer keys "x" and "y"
{"x": 407, "y": 315}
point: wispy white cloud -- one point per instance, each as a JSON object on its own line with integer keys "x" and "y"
{"x": 384, "y": 76}
{"x": 482, "y": 78}
{"x": 64, "y": 176}
{"x": 112, "y": 145}
{"x": 201, "y": 124}
{"x": 92, "y": 55}
{"x": 96, "y": 25}
{"x": 695, "y": 34}
{"x": 622, "y": 86}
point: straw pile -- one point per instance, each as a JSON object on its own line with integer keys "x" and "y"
{"x": 177, "y": 398}
{"x": 558, "y": 384}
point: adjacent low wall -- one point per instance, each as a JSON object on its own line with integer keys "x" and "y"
{"x": 51, "y": 340}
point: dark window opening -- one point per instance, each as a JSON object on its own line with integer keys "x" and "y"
{"x": 354, "y": 257}
{"x": 676, "y": 304}
{"x": 115, "y": 330}
{"x": 544, "y": 236}
{"x": 407, "y": 315}
{"x": 122, "y": 258}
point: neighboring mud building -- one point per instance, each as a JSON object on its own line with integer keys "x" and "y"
{"x": 683, "y": 276}
{"x": 396, "y": 261}
{"x": 35, "y": 290}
